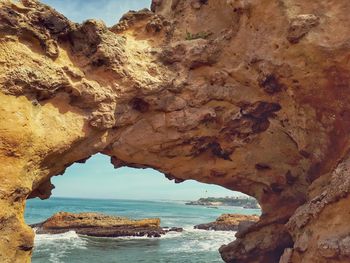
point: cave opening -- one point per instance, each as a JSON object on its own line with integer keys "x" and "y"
{"x": 96, "y": 186}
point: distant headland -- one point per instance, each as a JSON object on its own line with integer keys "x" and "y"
{"x": 245, "y": 202}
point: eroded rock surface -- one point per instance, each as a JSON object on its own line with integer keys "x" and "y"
{"x": 100, "y": 225}
{"x": 230, "y": 222}
{"x": 250, "y": 95}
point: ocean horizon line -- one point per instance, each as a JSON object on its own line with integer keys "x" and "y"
{"x": 122, "y": 199}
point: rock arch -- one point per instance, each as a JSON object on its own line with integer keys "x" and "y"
{"x": 250, "y": 95}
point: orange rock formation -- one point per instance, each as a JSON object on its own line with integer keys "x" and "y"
{"x": 230, "y": 222}
{"x": 251, "y": 95}
{"x": 99, "y": 225}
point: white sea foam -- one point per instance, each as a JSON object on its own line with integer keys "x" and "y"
{"x": 202, "y": 240}
{"x": 58, "y": 238}
{"x": 168, "y": 235}
{"x": 190, "y": 240}
{"x": 58, "y": 245}
{"x": 172, "y": 234}
{"x": 205, "y": 238}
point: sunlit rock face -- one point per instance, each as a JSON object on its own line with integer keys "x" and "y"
{"x": 250, "y": 95}
{"x": 100, "y": 225}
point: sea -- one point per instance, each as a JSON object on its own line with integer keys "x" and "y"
{"x": 190, "y": 246}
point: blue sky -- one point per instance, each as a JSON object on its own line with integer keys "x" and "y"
{"x": 97, "y": 178}
{"x": 109, "y": 11}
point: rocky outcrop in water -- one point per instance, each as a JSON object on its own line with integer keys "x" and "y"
{"x": 250, "y": 95}
{"x": 229, "y": 222}
{"x": 100, "y": 225}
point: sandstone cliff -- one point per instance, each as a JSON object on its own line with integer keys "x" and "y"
{"x": 251, "y": 95}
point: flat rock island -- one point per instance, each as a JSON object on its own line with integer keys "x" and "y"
{"x": 100, "y": 225}
{"x": 229, "y": 222}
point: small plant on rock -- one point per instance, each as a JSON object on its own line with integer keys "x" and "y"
{"x": 202, "y": 35}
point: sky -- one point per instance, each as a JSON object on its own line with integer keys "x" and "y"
{"x": 97, "y": 178}
{"x": 109, "y": 11}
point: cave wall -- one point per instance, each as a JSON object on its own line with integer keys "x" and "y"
{"x": 250, "y": 95}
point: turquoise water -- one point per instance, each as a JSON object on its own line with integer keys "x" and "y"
{"x": 190, "y": 246}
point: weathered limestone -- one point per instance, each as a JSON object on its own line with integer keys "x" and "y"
{"x": 250, "y": 95}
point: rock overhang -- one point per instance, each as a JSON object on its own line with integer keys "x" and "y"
{"x": 255, "y": 101}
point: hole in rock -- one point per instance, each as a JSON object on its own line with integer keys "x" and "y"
{"x": 134, "y": 193}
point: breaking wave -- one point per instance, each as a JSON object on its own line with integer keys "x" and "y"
{"x": 59, "y": 245}
{"x": 196, "y": 240}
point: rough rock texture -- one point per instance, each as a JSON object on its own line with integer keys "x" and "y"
{"x": 100, "y": 225}
{"x": 230, "y": 222}
{"x": 251, "y": 95}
